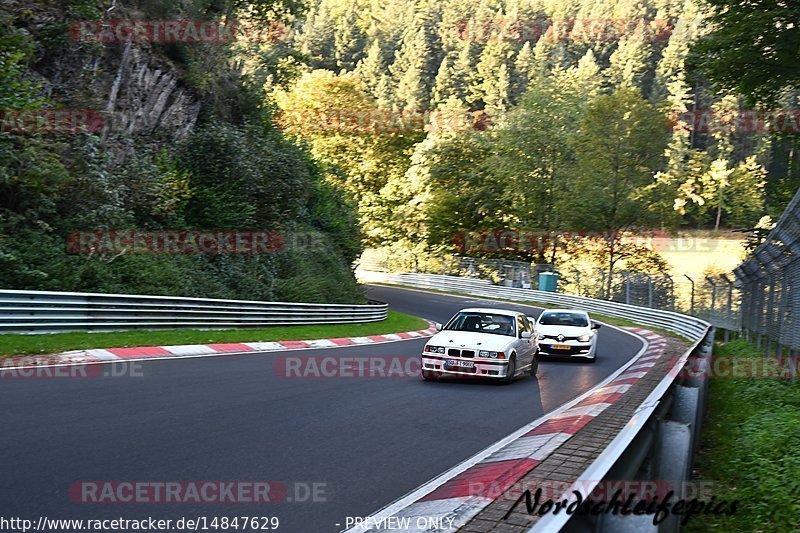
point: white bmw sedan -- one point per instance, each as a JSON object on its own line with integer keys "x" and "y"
{"x": 568, "y": 333}
{"x": 487, "y": 343}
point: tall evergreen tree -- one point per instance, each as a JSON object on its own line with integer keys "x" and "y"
{"x": 467, "y": 80}
{"x": 523, "y": 72}
{"x": 415, "y": 67}
{"x": 672, "y": 65}
{"x": 495, "y": 74}
{"x": 372, "y": 67}
{"x": 349, "y": 41}
{"x": 447, "y": 84}
{"x": 629, "y": 63}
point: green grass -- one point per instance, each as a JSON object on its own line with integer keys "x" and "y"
{"x": 58, "y": 342}
{"x": 749, "y": 448}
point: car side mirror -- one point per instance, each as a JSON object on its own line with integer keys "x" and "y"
{"x": 526, "y": 335}
{"x": 595, "y": 325}
{"x": 437, "y": 326}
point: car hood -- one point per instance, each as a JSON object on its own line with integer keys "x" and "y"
{"x": 478, "y": 341}
{"x": 567, "y": 331}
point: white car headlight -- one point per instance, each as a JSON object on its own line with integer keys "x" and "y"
{"x": 492, "y": 355}
{"x": 585, "y": 338}
{"x": 434, "y": 349}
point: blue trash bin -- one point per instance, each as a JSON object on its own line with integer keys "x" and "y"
{"x": 548, "y": 281}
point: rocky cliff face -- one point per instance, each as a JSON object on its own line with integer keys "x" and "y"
{"x": 137, "y": 89}
{"x": 145, "y": 98}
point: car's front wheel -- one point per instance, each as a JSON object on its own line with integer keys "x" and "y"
{"x": 511, "y": 370}
{"x": 535, "y": 364}
{"x": 428, "y": 375}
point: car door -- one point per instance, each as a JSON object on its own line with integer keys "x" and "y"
{"x": 526, "y": 346}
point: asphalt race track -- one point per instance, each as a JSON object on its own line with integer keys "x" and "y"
{"x": 364, "y": 442}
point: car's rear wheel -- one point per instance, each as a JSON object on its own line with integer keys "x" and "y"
{"x": 511, "y": 370}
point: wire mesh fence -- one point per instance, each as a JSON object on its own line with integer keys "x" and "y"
{"x": 715, "y": 299}
{"x": 769, "y": 281}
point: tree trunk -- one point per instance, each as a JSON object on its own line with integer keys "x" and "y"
{"x": 611, "y": 260}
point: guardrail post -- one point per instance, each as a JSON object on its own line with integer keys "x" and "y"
{"x": 603, "y": 295}
{"x": 729, "y": 311}
{"x": 627, "y": 287}
{"x": 691, "y": 305}
{"x": 671, "y": 291}
{"x": 686, "y": 409}
{"x": 673, "y": 448}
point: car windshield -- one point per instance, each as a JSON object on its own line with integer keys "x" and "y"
{"x": 482, "y": 323}
{"x": 564, "y": 319}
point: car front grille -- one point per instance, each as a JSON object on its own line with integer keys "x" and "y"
{"x": 455, "y": 352}
{"x": 555, "y": 337}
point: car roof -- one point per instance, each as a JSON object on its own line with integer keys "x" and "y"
{"x": 579, "y": 311}
{"x": 490, "y": 310}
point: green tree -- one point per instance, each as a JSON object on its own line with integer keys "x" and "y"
{"x": 16, "y": 50}
{"x": 533, "y": 154}
{"x": 446, "y": 84}
{"x": 494, "y": 71}
{"x": 523, "y": 72}
{"x": 629, "y": 63}
{"x": 462, "y": 195}
{"x": 361, "y": 146}
{"x": 753, "y": 47}
{"x": 349, "y": 41}
{"x": 415, "y": 67}
{"x": 618, "y": 146}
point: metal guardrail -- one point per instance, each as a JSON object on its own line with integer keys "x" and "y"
{"x": 48, "y": 312}
{"x": 657, "y": 446}
{"x": 714, "y": 299}
{"x": 659, "y": 442}
{"x": 689, "y": 327}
